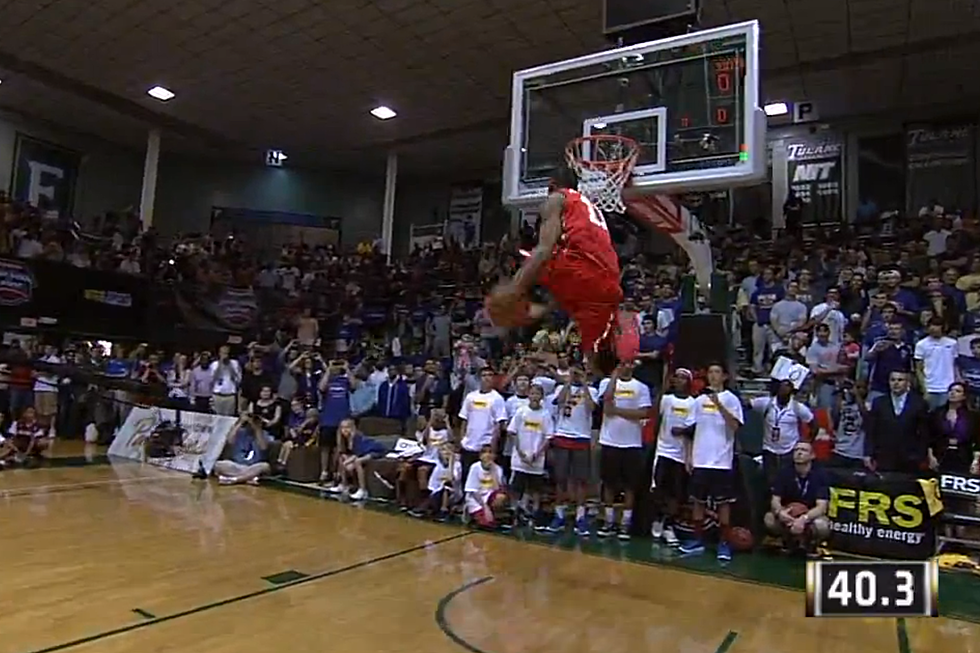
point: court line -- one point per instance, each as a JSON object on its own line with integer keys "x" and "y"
{"x": 31, "y": 490}
{"x": 727, "y": 642}
{"x": 443, "y": 622}
{"x": 244, "y": 597}
{"x": 903, "y": 636}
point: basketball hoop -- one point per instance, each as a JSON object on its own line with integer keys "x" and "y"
{"x": 603, "y": 164}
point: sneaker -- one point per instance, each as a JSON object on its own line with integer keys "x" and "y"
{"x": 670, "y": 537}
{"x": 582, "y": 527}
{"x": 692, "y": 547}
{"x": 336, "y": 488}
{"x": 608, "y": 529}
{"x": 557, "y": 525}
{"x": 657, "y": 529}
{"x": 418, "y": 514}
{"x": 359, "y": 495}
{"x": 226, "y": 480}
{"x": 442, "y": 516}
{"x": 724, "y": 552}
{"x": 624, "y": 531}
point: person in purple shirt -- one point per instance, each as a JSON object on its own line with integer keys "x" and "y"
{"x": 766, "y": 294}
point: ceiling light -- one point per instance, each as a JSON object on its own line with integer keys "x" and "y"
{"x": 383, "y": 113}
{"x": 776, "y": 109}
{"x": 160, "y": 93}
{"x": 599, "y": 125}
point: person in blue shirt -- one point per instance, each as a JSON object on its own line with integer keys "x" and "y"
{"x": 394, "y": 396}
{"x": 355, "y": 451}
{"x": 766, "y": 294}
{"x": 800, "y": 496}
{"x": 247, "y": 447}
{"x": 890, "y": 354}
{"x": 335, "y": 391}
{"x": 969, "y": 369}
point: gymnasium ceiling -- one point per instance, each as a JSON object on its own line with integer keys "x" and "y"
{"x": 301, "y": 75}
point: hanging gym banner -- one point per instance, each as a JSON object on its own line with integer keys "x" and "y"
{"x": 44, "y": 176}
{"x": 940, "y": 166}
{"x": 465, "y": 213}
{"x": 815, "y": 172}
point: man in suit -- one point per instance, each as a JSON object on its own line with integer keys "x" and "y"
{"x": 897, "y": 436}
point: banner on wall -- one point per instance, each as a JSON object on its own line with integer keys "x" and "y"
{"x": 58, "y": 296}
{"x": 883, "y": 515}
{"x": 465, "y": 212}
{"x": 267, "y": 232}
{"x": 422, "y": 236}
{"x": 44, "y": 175}
{"x": 940, "y": 164}
{"x": 204, "y": 437}
{"x": 215, "y": 308}
{"x": 815, "y": 172}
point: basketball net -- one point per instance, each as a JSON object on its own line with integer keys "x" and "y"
{"x": 603, "y": 164}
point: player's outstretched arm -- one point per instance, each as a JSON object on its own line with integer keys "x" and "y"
{"x": 548, "y": 238}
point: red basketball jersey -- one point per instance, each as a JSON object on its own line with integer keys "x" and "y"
{"x": 585, "y": 240}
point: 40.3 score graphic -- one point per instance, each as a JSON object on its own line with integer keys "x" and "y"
{"x": 872, "y": 589}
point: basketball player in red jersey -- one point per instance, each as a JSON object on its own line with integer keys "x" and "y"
{"x": 576, "y": 262}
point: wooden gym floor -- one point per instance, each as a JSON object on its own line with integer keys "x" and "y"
{"x": 127, "y": 558}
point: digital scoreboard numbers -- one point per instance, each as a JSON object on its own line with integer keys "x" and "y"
{"x": 706, "y": 112}
{"x": 872, "y": 589}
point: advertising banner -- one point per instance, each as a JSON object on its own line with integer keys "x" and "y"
{"x": 883, "y": 515}
{"x": 204, "y": 437}
{"x": 465, "y": 214}
{"x": 58, "y": 296}
{"x": 940, "y": 165}
{"x": 815, "y": 172}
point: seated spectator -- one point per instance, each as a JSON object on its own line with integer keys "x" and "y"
{"x": 354, "y": 450}
{"x": 800, "y": 484}
{"x": 248, "y": 445}
{"x": 269, "y": 410}
{"x": 486, "y": 495}
{"x": 299, "y": 433}
{"x": 28, "y": 440}
{"x": 432, "y": 435}
{"x": 445, "y": 486}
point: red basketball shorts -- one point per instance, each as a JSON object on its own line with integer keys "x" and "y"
{"x": 591, "y": 300}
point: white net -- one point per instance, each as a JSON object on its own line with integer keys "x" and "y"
{"x": 603, "y": 165}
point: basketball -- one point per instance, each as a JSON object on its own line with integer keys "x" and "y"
{"x": 797, "y": 509}
{"x": 508, "y": 308}
{"x": 741, "y": 539}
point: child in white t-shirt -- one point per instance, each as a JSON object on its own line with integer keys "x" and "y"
{"x": 530, "y": 430}
{"x": 486, "y": 495}
{"x": 444, "y": 485}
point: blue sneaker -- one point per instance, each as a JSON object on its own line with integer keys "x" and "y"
{"x": 724, "y": 552}
{"x": 692, "y": 547}
{"x": 557, "y": 525}
{"x": 582, "y": 527}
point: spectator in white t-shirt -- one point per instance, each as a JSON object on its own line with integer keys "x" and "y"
{"x": 625, "y": 405}
{"x": 672, "y": 457}
{"x": 531, "y": 429}
{"x": 828, "y": 312}
{"x": 226, "y": 377}
{"x": 782, "y": 415}
{"x": 936, "y": 238}
{"x": 484, "y": 417}
{"x": 935, "y": 363}
{"x": 571, "y": 449}
{"x": 716, "y": 416}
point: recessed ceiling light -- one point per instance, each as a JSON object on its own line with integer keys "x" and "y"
{"x": 383, "y": 113}
{"x": 161, "y": 93}
{"x": 776, "y": 109}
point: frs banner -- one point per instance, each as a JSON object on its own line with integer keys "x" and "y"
{"x": 465, "y": 212}
{"x": 884, "y": 516}
{"x": 203, "y": 441}
{"x": 940, "y": 164}
{"x": 44, "y": 175}
{"x": 815, "y": 173}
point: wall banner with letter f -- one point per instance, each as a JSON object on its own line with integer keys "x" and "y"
{"x": 44, "y": 175}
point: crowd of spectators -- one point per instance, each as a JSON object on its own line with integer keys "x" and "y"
{"x": 888, "y": 327}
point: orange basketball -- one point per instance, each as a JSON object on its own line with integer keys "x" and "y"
{"x": 797, "y": 509}
{"x": 741, "y": 539}
{"x": 507, "y": 308}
